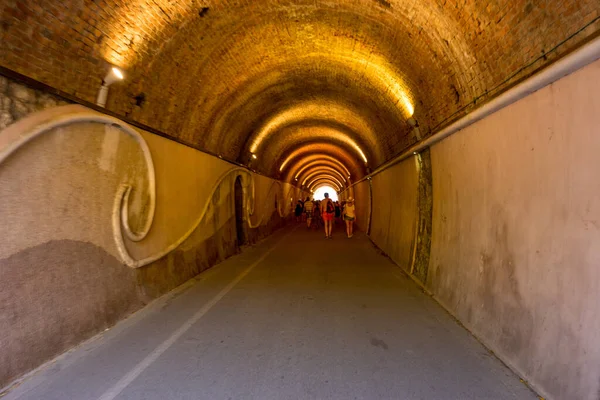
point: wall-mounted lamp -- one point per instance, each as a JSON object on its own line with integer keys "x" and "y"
{"x": 254, "y": 156}
{"x": 412, "y": 122}
{"x": 113, "y": 76}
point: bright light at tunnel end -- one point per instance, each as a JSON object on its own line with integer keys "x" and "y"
{"x": 319, "y": 194}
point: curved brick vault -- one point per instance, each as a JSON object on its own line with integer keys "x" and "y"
{"x": 290, "y": 79}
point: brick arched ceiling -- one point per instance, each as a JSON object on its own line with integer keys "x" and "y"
{"x": 273, "y": 77}
{"x": 318, "y": 150}
{"x": 324, "y": 181}
{"x": 307, "y": 164}
{"x": 320, "y": 185}
{"x": 326, "y": 169}
{"x": 322, "y": 175}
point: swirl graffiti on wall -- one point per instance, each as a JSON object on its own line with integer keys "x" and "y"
{"x": 24, "y": 131}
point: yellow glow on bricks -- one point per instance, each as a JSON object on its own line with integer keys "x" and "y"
{"x": 320, "y": 111}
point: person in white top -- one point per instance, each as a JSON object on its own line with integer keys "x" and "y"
{"x": 349, "y": 216}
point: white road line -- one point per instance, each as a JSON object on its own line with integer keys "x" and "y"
{"x": 115, "y": 390}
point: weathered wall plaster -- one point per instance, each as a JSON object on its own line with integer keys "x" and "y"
{"x": 516, "y": 238}
{"x": 515, "y": 244}
{"x": 362, "y": 197}
{"x": 422, "y": 246}
{"x": 394, "y": 218}
{"x": 63, "y": 276}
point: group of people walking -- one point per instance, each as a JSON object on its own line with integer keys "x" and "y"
{"x": 325, "y": 213}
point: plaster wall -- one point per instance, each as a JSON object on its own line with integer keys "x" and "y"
{"x": 393, "y": 221}
{"x": 516, "y": 234}
{"x": 362, "y": 197}
{"x": 64, "y": 279}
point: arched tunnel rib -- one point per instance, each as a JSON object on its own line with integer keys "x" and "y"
{"x": 461, "y": 140}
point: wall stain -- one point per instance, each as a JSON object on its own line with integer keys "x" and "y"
{"x": 379, "y": 343}
{"x": 384, "y": 3}
{"x": 54, "y": 296}
{"x": 60, "y": 293}
{"x": 425, "y": 216}
{"x": 500, "y": 289}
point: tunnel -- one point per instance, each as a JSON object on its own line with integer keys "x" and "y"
{"x": 153, "y": 155}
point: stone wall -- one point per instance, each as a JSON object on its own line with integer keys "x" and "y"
{"x": 17, "y": 101}
{"x": 422, "y": 251}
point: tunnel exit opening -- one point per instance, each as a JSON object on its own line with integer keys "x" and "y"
{"x": 239, "y": 212}
{"x": 320, "y": 193}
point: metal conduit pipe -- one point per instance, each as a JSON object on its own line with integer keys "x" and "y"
{"x": 563, "y": 67}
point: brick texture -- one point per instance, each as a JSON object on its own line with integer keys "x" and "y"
{"x": 213, "y": 72}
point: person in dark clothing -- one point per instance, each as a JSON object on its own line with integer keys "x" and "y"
{"x": 317, "y": 222}
{"x": 298, "y": 211}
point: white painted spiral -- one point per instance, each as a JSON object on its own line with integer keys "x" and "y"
{"x": 19, "y": 134}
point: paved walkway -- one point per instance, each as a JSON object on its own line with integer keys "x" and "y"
{"x": 295, "y": 317}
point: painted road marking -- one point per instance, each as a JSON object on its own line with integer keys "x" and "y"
{"x": 126, "y": 380}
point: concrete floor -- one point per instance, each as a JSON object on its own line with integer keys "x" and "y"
{"x": 295, "y": 317}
